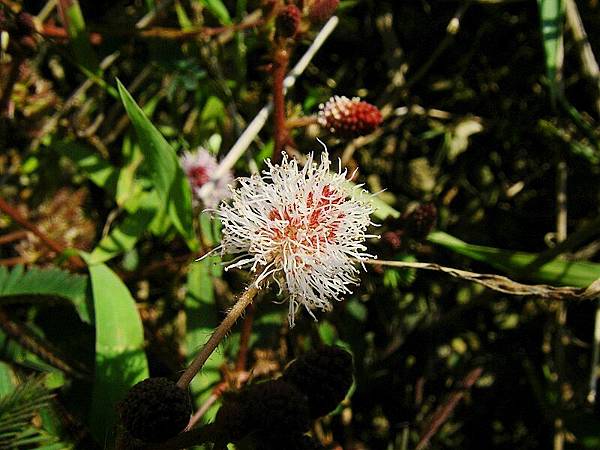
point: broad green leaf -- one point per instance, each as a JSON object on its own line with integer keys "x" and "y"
{"x": 120, "y": 358}
{"x": 38, "y": 285}
{"x": 218, "y": 9}
{"x": 158, "y": 154}
{"x": 568, "y": 273}
{"x": 163, "y": 168}
{"x": 202, "y": 318}
{"x": 125, "y": 235}
{"x": 552, "y": 14}
{"x": 127, "y": 185}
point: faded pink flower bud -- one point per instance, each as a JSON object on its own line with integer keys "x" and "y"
{"x": 349, "y": 118}
{"x": 198, "y": 167}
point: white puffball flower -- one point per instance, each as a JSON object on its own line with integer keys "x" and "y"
{"x": 199, "y": 167}
{"x": 303, "y": 226}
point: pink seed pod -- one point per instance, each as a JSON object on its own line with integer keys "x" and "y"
{"x": 349, "y": 118}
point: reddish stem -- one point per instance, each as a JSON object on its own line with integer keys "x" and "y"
{"x": 14, "y": 236}
{"x": 50, "y": 243}
{"x": 443, "y": 412}
{"x": 246, "y": 333}
{"x": 96, "y": 37}
{"x": 280, "y": 63}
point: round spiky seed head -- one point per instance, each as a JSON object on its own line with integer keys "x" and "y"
{"x": 155, "y": 410}
{"x": 273, "y": 408}
{"x": 421, "y": 220}
{"x": 324, "y": 375}
{"x": 321, "y": 10}
{"x": 232, "y": 419}
{"x": 349, "y": 118}
{"x": 288, "y": 21}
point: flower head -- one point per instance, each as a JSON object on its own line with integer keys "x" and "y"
{"x": 300, "y": 225}
{"x": 198, "y": 167}
{"x": 349, "y": 117}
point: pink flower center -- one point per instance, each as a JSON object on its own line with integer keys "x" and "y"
{"x": 198, "y": 176}
{"x": 302, "y": 228}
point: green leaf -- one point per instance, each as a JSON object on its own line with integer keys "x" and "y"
{"x": 125, "y": 235}
{"x": 552, "y": 14}
{"x": 38, "y": 284}
{"x": 127, "y": 185}
{"x": 80, "y": 40}
{"x": 120, "y": 358}
{"x": 218, "y": 9}
{"x": 164, "y": 169}
{"x": 568, "y": 273}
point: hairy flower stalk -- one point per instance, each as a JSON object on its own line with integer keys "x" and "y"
{"x": 302, "y": 227}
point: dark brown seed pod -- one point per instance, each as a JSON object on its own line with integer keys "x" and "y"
{"x": 155, "y": 410}
{"x": 271, "y": 408}
{"x": 288, "y": 21}
{"x": 324, "y": 375}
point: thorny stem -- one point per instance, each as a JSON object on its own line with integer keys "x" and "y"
{"x": 52, "y": 244}
{"x": 234, "y": 313}
{"x": 280, "y": 63}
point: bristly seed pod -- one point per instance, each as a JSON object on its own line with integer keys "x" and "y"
{"x": 321, "y": 10}
{"x": 288, "y": 21}
{"x": 155, "y": 410}
{"x": 324, "y": 375}
{"x": 274, "y": 408}
{"x": 349, "y": 118}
